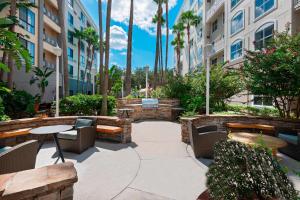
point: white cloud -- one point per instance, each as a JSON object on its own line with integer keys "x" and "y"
{"x": 144, "y": 10}
{"x": 118, "y": 38}
{"x": 123, "y": 53}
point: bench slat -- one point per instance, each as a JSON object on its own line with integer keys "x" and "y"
{"x": 251, "y": 126}
{"x": 14, "y": 133}
{"x": 109, "y": 129}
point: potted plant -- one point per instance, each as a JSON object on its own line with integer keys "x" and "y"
{"x": 41, "y": 77}
{"x": 244, "y": 173}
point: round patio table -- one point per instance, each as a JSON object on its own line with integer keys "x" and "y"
{"x": 254, "y": 139}
{"x": 51, "y": 130}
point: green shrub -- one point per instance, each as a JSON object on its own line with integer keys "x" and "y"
{"x": 158, "y": 93}
{"x": 242, "y": 172}
{"x": 252, "y": 110}
{"x": 81, "y": 104}
{"x": 17, "y": 104}
{"x": 3, "y": 116}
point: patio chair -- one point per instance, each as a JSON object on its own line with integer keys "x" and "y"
{"x": 292, "y": 137}
{"x": 204, "y": 138}
{"x": 81, "y": 137}
{"x": 18, "y": 158}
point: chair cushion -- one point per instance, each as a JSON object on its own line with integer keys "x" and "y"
{"x": 68, "y": 135}
{"x": 3, "y": 149}
{"x": 83, "y": 122}
{"x": 293, "y": 139}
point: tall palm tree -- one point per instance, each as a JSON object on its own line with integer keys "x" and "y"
{"x": 101, "y": 43}
{"x": 13, "y": 13}
{"x": 79, "y": 35}
{"x": 189, "y": 19}
{"x": 178, "y": 42}
{"x": 129, "y": 52}
{"x": 157, "y": 49}
{"x": 63, "y": 44}
{"x": 107, "y": 43}
{"x": 167, "y": 34}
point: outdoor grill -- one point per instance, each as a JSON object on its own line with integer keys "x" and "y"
{"x": 149, "y": 103}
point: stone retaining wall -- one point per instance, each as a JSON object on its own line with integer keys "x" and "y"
{"x": 221, "y": 120}
{"x": 125, "y": 124}
{"x": 54, "y": 182}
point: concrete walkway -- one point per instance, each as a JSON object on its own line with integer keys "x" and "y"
{"x": 156, "y": 166}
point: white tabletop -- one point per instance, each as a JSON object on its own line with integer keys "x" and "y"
{"x": 50, "y": 129}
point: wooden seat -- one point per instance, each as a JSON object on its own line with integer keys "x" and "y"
{"x": 250, "y": 126}
{"x": 109, "y": 129}
{"x": 14, "y": 133}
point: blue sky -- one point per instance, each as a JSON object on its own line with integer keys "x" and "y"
{"x": 143, "y": 33}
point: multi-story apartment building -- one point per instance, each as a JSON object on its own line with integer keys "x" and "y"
{"x": 39, "y": 30}
{"x": 78, "y": 18}
{"x": 232, "y": 26}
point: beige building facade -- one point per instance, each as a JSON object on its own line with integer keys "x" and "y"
{"x": 232, "y": 26}
{"x": 39, "y": 30}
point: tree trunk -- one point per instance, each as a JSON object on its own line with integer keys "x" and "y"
{"x": 78, "y": 65}
{"x": 63, "y": 43}
{"x": 167, "y": 36}
{"x": 157, "y": 49}
{"x": 87, "y": 66}
{"x": 189, "y": 46}
{"x": 101, "y": 73}
{"x": 161, "y": 57}
{"x": 13, "y": 13}
{"x": 129, "y": 52}
{"x": 178, "y": 53}
{"x": 107, "y": 43}
{"x": 4, "y": 62}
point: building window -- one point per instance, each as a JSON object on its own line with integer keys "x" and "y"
{"x": 30, "y": 46}
{"x": 237, "y": 22}
{"x": 71, "y": 72}
{"x": 215, "y": 26}
{"x": 263, "y": 6}
{"x": 262, "y": 101}
{"x": 27, "y": 19}
{"x": 70, "y": 53}
{"x": 263, "y": 35}
{"x": 82, "y": 60}
{"x": 71, "y": 37}
{"x": 236, "y": 50}
{"x": 234, "y": 3}
{"x": 71, "y": 92}
{"x": 82, "y": 47}
{"x": 71, "y": 3}
{"x": 82, "y": 17}
{"x": 70, "y": 19}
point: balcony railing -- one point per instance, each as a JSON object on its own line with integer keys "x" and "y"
{"x": 214, "y": 8}
{"x": 48, "y": 64}
{"x": 52, "y": 16}
{"x": 297, "y": 4}
{"x": 50, "y": 40}
{"x": 217, "y": 46}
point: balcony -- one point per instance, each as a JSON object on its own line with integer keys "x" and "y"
{"x": 297, "y": 4}
{"x": 50, "y": 40}
{"x": 48, "y": 64}
{"x": 51, "y": 20}
{"x": 217, "y": 46}
{"x": 53, "y": 3}
{"x": 216, "y": 6}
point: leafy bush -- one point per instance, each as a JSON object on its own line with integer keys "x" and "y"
{"x": 252, "y": 110}
{"x": 158, "y": 93}
{"x": 3, "y": 116}
{"x": 17, "y": 104}
{"x": 242, "y": 172}
{"x": 81, "y": 104}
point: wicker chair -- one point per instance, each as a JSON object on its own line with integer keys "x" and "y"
{"x": 292, "y": 137}
{"x": 18, "y": 158}
{"x": 204, "y": 138}
{"x": 80, "y": 138}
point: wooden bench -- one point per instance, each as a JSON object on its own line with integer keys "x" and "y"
{"x": 109, "y": 132}
{"x": 267, "y": 129}
{"x": 14, "y": 133}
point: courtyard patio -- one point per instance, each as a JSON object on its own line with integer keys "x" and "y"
{"x": 156, "y": 166}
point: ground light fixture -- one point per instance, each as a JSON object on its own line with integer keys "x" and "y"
{"x": 57, "y": 51}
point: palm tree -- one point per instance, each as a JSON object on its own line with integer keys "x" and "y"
{"x": 101, "y": 43}
{"x": 63, "y": 44}
{"x": 167, "y": 34}
{"x": 107, "y": 43}
{"x": 79, "y": 35}
{"x": 178, "y": 42}
{"x": 129, "y": 53}
{"x": 189, "y": 19}
{"x": 158, "y": 34}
